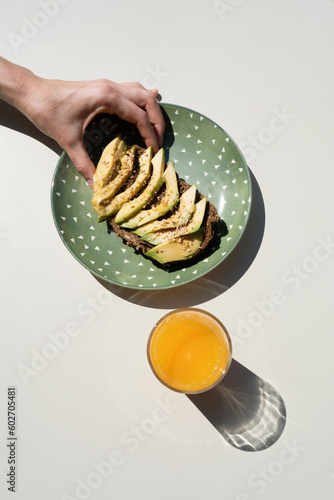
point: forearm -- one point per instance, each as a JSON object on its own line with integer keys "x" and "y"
{"x": 62, "y": 110}
{"x": 17, "y": 84}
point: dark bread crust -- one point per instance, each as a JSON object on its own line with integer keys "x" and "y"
{"x": 133, "y": 240}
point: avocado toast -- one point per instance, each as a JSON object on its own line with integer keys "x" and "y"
{"x": 146, "y": 204}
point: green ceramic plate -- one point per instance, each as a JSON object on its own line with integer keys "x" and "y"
{"x": 203, "y": 153}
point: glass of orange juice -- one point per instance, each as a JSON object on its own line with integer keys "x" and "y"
{"x": 189, "y": 350}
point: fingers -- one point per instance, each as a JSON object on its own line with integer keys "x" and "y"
{"x": 147, "y": 100}
{"x": 82, "y": 163}
{"x": 131, "y": 102}
{"x": 148, "y": 121}
{"x": 130, "y": 112}
{"x": 156, "y": 119}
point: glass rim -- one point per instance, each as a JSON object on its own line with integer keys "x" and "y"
{"x": 224, "y": 331}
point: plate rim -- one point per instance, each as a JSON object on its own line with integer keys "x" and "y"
{"x": 170, "y": 285}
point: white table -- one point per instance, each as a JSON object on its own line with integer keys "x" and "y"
{"x": 93, "y": 422}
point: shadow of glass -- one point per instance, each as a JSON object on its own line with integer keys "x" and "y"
{"x": 247, "y": 411}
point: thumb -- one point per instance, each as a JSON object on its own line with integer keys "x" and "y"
{"x": 82, "y": 163}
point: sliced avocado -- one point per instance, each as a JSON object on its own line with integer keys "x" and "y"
{"x": 133, "y": 206}
{"x": 144, "y": 173}
{"x": 193, "y": 225}
{"x": 169, "y": 201}
{"x": 183, "y": 248}
{"x": 179, "y": 218}
{"x": 109, "y": 163}
{"x": 103, "y": 197}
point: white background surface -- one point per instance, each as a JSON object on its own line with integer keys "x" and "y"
{"x": 239, "y": 63}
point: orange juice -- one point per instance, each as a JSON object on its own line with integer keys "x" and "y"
{"x": 189, "y": 350}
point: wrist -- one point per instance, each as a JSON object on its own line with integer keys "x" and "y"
{"x": 17, "y": 85}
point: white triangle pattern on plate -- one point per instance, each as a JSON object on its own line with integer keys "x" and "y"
{"x": 221, "y": 181}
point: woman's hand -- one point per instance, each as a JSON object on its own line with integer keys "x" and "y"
{"x": 62, "y": 110}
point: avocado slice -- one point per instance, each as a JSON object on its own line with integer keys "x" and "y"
{"x": 109, "y": 163}
{"x": 133, "y": 206}
{"x": 193, "y": 225}
{"x": 179, "y": 218}
{"x": 169, "y": 201}
{"x": 145, "y": 167}
{"x": 182, "y": 248}
{"x": 102, "y": 198}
